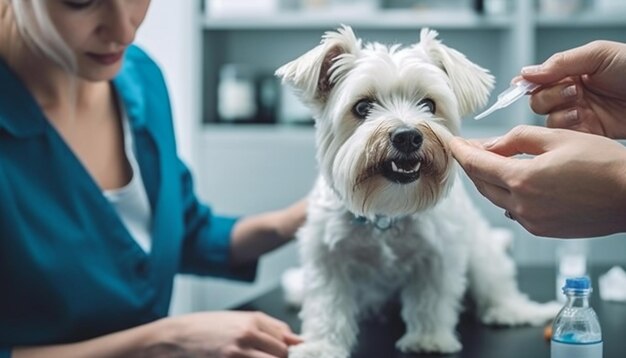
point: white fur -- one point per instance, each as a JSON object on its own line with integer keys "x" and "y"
{"x": 438, "y": 245}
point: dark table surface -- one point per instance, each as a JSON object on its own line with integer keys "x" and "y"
{"x": 378, "y": 335}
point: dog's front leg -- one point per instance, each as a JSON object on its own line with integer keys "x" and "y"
{"x": 329, "y": 321}
{"x": 430, "y": 309}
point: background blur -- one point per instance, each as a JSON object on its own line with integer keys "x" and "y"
{"x": 250, "y": 144}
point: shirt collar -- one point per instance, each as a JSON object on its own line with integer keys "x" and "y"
{"x": 21, "y": 115}
{"x": 128, "y": 86}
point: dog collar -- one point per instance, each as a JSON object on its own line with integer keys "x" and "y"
{"x": 381, "y": 222}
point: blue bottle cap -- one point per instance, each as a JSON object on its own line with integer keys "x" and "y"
{"x": 577, "y": 283}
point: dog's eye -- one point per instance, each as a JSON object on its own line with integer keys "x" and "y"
{"x": 429, "y": 104}
{"x": 362, "y": 108}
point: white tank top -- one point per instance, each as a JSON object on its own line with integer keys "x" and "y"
{"x": 131, "y": 201}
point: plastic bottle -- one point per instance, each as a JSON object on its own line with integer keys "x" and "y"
{"x": 576, "y": 330}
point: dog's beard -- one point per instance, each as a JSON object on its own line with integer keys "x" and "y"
{"x": 373, "y": 178}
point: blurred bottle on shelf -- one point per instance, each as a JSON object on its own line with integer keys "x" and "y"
{"x": 313, "y": 4}
{"x": 217, "y": 8}
{"x": 614, "y": 6}
{"x": 491, "y": 7}
{"x": 236, "y": 94}
{"x": 561, "y": 7}
{"x": 497, "y": 7}
{"x": 341, "y": 6}
{"x": 354, "y": 6}
{"x": 267, "y": 98}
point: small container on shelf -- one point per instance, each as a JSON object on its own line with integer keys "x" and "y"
{"x": 236, "y": 94}
{"x": 229, "y": 8}
{"x": 607, "y": 6}
{"x": 354, "y": 6}
{"x": 497, "y": 7}
{"x": 267, "y": 98}
{"x": 561, "y": 7}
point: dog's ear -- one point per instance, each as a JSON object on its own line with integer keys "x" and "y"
{"x": 314, "y": 74}
{"x": 470, "y": 83}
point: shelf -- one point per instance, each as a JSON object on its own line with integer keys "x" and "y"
{"x": 380, "y": 20}
{"x": 259, "y": 127}
{"x": 582, "y": 20}
{"x": 469, "y": 128}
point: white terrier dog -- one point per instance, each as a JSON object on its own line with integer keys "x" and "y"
{"x": 388, "y": 214}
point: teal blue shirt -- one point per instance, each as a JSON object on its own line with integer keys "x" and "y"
{"x": 69, "y": 269}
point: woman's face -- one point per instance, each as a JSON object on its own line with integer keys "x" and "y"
{"x": 98, "y": 32}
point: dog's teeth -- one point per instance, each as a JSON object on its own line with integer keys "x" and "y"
{"x": 395, "y": 168}
{"x": 415, "y": 169}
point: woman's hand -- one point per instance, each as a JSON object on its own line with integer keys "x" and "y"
{"x": 574, "y": 185}
{"x": 210, "y": 334}
{"x": 583, "y": 89}
{"x": 223, "y": 334}
{"x": 256, "y": 235}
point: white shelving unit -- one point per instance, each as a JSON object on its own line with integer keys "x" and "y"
{"x": 382, "y": 20}
{"x": 280, "y": 158}
{"x": 266, "y": 42}
{"x": 502, "y": 43}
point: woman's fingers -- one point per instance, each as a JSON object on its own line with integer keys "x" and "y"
{"x": 497, "y": 195}
{"x": 523, "y": 139}
{"x": 554, "y": 98}
{"x": 565, "y": 118}
{"x": 477, "y": 162}
{"x": 278, "y": 329}
{"x": 583, "y": 60}
{"x": 267, "y": 343}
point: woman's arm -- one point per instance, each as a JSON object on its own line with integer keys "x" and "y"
{"x": 135, "y": 342}
{"x": 255, "y": 235}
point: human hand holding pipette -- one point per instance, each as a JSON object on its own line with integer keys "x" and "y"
{"x": 573, "y": 184}
{"x": 583, "y": 89}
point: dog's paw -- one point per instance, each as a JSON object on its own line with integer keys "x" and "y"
{"x": 519, "y": 313}
{"x": 317, "y": 350}
{"x": 429, "y": 343}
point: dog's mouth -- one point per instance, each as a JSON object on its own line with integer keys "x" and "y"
{"x": 402, "y": 170}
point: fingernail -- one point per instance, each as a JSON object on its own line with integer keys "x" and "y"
{"x": 491, "y": 142}
{"x": 531, "y": 69}
{"x": 571, "y": 116}
{"x": 569, "y": 91}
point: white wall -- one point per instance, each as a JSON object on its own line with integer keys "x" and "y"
{"x": 170, "y": 34}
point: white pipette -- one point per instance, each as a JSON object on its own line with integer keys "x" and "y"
{"x": 513, "y": 93}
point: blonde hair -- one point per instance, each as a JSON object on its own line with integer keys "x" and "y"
{"x": 34, "y": 24}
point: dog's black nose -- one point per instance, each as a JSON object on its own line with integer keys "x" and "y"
{"x": 407, "y": 140}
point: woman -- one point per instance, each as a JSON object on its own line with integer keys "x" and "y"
{"x": 98, "y": 213}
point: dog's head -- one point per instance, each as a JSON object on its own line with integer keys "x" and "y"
{"x": 384, "y": 116}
